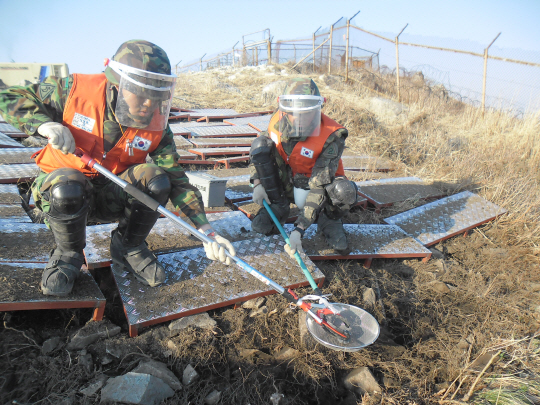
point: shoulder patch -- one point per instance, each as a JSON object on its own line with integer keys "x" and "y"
{"x": 45, "y": 90}
{"x": 331, "y": 151}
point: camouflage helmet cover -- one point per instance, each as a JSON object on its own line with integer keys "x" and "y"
{"x": 301, "y": 86}
{"x": 142, "y": 55}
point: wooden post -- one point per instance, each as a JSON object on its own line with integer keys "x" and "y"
{"x": 330, "y": 49}
{"x": 485, "y": 76}
{"x": 200, "y": 66}
{"x": 269, "y": 52}
{"x": 314, "y": 51}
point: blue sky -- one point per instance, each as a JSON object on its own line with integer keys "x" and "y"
{"x": 82, "y": 33}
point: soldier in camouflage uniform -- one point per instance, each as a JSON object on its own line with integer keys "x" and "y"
{"x": 119, "y": 118}
{"x": 298, "y": 159}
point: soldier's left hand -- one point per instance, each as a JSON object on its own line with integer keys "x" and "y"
{"x": 216, "y": 249}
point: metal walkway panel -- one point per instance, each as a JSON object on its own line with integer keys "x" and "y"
{"x": 18, "y": 172}
{"x": 9, "y": 194}
{"x": 185, "y": 155}
{"x": 222, "y": 142}
{"x": 7, "y": 142}
{"x": 223, "y": 131}
{"x": 386, "y": 192}
{"x": 365, "y": 242}
{"x": 447, "y": 217}
{"x": 20, "y": 290}
{"x": 204, "y": 152}
{"x": 259, "y": 119}
{"x": 35, "y": 238}
{"x": 178, "y": 127}
{"x": 182, "y": 143}
{"x": 10, "y": 129}
{"x": 165, "y": 236}
{"x": 13, "y": 213}
{"x": 196, "y": 284}
{"x": 238, "y": 189}
{"x": 17, "y": 155}
{"x": 211, "y": 112}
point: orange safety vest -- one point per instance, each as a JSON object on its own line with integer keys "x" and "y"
{"x": 305, "y": 153}
{"x": 84, "y": 114}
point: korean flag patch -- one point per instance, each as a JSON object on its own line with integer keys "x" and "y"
{"x": 141, "y": 143}
{"x": 306, "y": 152}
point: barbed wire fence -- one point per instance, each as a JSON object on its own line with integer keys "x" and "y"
{"x": 487, "y": 77}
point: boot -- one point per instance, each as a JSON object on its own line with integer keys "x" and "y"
{"x": 130, "y": 252}
{"x": 67, "y": 258}
{"x": 263, "y": 223}
{"x": 333, "y": 232}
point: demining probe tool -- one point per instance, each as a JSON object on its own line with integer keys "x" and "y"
{"x": 337, "y": 326}
{"x": 297, "y": 256}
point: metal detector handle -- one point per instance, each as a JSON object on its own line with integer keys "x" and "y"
{"x": 297, "y": 256}
{"x": 155, "y": 206}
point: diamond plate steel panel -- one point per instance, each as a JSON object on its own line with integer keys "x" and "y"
{"x": 26, "y": 294}
{"x": 386, "y": 192}
{"x": 260, "y": 119}
{"x": 223, "y": 131}
{"x": 182, "y": 143}
{"x": 230, "y": 225}
{"x": 220, "y": 151}
{"x": 12, "y": 173}
{"x": 194, "y": 283}
{"x": 446, "y": 217}
{"x": 29, "y": 234}
{"x": 9, "y": 194}
{"x": 14, "y": 213}
{"x": 221, "y": 142}
{"x": 17, "y": 155}
{"x": 6, "y": 141}
{"x": 365, "y": 241}
{"x": 9, "y": 129}
{"x": 210, "y": 112}
{"x": 238, "y": 188}
{"x": 179, "y": 127}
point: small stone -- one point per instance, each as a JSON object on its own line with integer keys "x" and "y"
{"x": 391, "y": 382}
{"x": 202, "y": 321}
{"x": 436, "y": 254}
{"x": 106, "y": 360}
{"x": 114, "y": 350}
{"x": 135, "y": 388}
{"x": 189, "y": 375}
{"x": 159, "y": 370}
{"x": 361, "y": 381}
{"x": 213, "y": 398}
{"x": 463, "y": 344}
{"x": 255, "y": 303}
{"x": 286, "y": 353}
{"x": 86, "y": 361}
{"x": 276, "y": 398}
{"x": 369, "y": 297}
{"x": 50, "y": 345}
{"x": 440, "y": 287}
{"x": 94, "y": 386}
{"x": 261, "y": 311}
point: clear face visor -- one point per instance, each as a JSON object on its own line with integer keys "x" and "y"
{"x": 300, "y": 115}
{"x": 144, "y": 98}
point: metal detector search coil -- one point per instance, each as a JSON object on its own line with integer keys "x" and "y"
{"x": 362, "y": 328}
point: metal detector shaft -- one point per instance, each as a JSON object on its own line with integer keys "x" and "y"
{"x": 296, "y": 254}
{"x": 154, "y": 205}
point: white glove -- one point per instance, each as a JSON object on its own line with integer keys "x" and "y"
{"x": 259, "y": 194}
{"x": 296, "y": 244}
{"x": 59, "y": 136}
{"x": 216, "y": 250}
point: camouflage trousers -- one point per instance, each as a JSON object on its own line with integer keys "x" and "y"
{"x": 106, "y": 199}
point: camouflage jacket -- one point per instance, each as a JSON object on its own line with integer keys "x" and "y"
{"x": 323, "y": 173}
{"x": 28, "y": 107}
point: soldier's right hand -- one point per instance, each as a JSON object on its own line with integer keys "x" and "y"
{"x": 259, "y": 194}
{"x": 59, "y": 136}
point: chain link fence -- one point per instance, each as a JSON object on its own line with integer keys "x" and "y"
{"x": 484, "y": 76}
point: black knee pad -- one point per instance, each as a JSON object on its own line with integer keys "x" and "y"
{"x": 266, "y": 167}
{"x": 159, "y": 188}
{"x": 67, "y": 198}
{"x": 342, "y": 192}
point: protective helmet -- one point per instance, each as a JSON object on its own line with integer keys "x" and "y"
{"x": 142, "y": 72}
{"x": 300, "y": 109}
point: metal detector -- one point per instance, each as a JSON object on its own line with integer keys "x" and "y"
{"x": 348, "y": 332}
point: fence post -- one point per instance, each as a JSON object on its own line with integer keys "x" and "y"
{"x": 397, "y": 65}
{"x": 200, "y": 67}
{"x": 269, "y": 52}
{"x": 330, "y": 49}
{"x": 485, "y": 75}
{"x": 347, "y": 50}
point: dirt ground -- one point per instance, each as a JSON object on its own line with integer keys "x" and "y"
{"x": 461, "y": 328}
